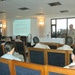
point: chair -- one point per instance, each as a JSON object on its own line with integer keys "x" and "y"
{"x": 23, "y": 68}
{"x": 6, "y": 67}
{"x": 1, "y": 51}
{"x": 54, "y": 70}
{"x": 68, "y": 40}
{"x": 56, "y": 57}
{"x": 23, "y": 38}
{"x": 20, "y": 48}
{"x": 2, "y": 42}
{"x": 36, "y": 55}
{"x": 69, "y": 57}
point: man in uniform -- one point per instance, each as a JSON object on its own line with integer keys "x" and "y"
{"x": 72, "y": 32}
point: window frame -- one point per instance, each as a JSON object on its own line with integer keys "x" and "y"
{"x": 56, "y": 35}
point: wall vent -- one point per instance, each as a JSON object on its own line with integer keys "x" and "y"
{"x": 63, "y": 11}
{"x": 54, "y": 4}
{"x": 2, "y": 0}
{"x": 1, "y": 12}
{"x": 23, "y": 8}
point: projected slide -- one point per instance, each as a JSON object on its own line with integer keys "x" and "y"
{"x": 21, "y": 27}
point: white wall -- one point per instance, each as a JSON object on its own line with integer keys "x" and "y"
{"x": 9, "y": 28}
{"x": 34, "y": 27}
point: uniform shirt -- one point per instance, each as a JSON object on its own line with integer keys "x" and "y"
{"x": 72, "y": 34}
{"x": 11, "y": 57}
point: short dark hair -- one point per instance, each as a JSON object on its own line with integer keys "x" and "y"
{"x": 74, "y": 50}
{"x": 36, "y": 40}
{"x": 9, "y": 46}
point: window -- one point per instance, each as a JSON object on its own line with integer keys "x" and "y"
{"x": 60, "y": 27}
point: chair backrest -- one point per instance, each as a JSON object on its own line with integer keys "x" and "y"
{"x": 54, "y": 70}
{"x": 36, "y": 55}
{"x": 22, "y": 68}
{"x": 56, "y": 57}
{"x": 6, "y": 67}
{"x": 68, "y": 40}
{"x": 69, "y": 56}
{"x": 2, "y": 42}
{"x": 1, "y": 51}
{"x": 20, "y": 48}
{"x": 24, "y": 39}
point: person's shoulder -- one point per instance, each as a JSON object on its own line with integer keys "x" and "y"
{"x": 15, "y": 58}
{"x": 11, "y": 57}
{"x": 70, "y": 65}
{"x": 18, "y": 40}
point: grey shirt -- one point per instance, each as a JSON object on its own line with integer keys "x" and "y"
{"x": 72, "y": 34}
{"x": 11, "y": 57}
{"x": 20, "y": 56}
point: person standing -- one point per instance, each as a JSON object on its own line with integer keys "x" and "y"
{"x": 71, "y": 32}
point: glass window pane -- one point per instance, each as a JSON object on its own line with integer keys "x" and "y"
{"x": 53, "y": 21}
{"x": 71, "y": 21}
{"x": 53, "y": 28}
{"x": 61, "y": 27}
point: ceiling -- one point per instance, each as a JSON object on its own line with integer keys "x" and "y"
{"x": 9, "y": 9}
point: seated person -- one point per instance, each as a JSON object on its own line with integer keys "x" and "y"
{"x": 64, "y": 47}
{"x": 18, "y": 38}
{"x": 72, "y": 65}
{"x": 6, "y": 39}
{"x": 9, "y": 48}
{"x": 38, "y": 44}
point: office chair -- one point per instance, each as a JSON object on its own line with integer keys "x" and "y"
{"x": 68, "y": 40}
